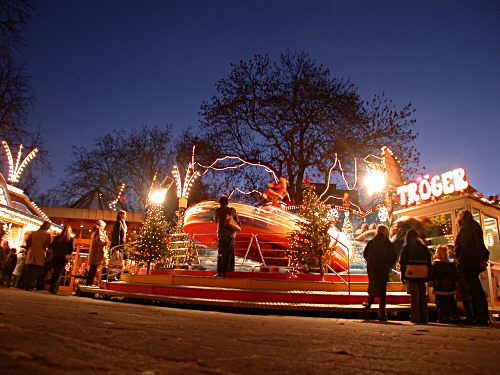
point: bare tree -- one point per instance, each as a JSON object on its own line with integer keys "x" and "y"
{"x": 294, "y": 117}
{"x": 132, "y": 157}
{"x": 15, "y": 92}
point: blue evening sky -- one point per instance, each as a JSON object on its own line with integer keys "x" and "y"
{"x": 100, "y": 65}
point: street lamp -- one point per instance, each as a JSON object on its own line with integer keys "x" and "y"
{"x": 375, "y": 181}
{"x": 158, "y": 195}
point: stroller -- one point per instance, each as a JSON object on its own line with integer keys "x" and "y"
{"x": 115, "y": 265}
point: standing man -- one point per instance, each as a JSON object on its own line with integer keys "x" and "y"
{"x": 380, "y": 257}
{"x": 37, "y": 243}
{"x": 472, "y": 257}
{"x": 226, "y": 235}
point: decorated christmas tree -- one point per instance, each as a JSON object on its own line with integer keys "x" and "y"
{"x": 309, "y": 246}
{"x": 347, "y": 227}
{"x": 151, "y": 240}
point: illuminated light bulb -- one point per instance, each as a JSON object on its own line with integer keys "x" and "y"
{"x": 15, "y": 170}
{"x": 375, "y": 181}
{"x": 158, "y": 196}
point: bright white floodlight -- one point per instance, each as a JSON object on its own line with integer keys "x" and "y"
{"x": 157, "y": 196}
{"x": 375, "y": 181}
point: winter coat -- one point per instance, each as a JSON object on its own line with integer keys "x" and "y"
{"x": 470, "y": 250}
{"x": 20, "y": 264}
{"x": 444, "y": 277}
{"x": 119, "y": 234}
{"x": 220, "y": 215}
{"x": 98, "y": 241}
{"x": 61, "y": 247}
{"x": 3, "y": 257}
{"x": 380, "y": 258}
{"x": 416, "y": 253}
{"x": 39, "y": 242}
{"x": 10, "y": 264}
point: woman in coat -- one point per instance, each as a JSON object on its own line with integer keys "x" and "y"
{"x": 62, "y": 248}
{"x": 98, "y": 242}
{"x": 380, "y": 257}
{"x": 415, "y": 253}
{"x": 37, "y": 243}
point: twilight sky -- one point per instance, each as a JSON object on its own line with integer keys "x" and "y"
{"x": 97, "y": 65}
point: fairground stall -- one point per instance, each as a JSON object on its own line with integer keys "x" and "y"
{"x": 440, "y": 199}
{"x": 19, "y": 215}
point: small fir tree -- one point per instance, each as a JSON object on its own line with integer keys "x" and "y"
{"x": 151, "y": 241}
{"x": 309, "y": 246}
{"x": 347, "y": 227}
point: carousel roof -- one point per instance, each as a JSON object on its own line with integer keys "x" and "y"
{"x": 93, "y": 200}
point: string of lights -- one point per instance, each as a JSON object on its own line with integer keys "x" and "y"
{"x": 16, "y": 170}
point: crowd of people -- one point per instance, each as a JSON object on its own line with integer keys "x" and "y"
{"x": 43, "y": 259}
{"x": 450, "y": 272}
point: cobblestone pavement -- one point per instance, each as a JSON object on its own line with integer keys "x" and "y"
{"x": 62, "y": 334}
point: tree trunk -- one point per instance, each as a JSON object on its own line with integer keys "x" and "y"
{"x": 321, "y": 269}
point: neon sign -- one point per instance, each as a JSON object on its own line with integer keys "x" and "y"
{"x": 425, "y": 188}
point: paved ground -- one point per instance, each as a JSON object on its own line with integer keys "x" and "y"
{"x": 45, "y": 334}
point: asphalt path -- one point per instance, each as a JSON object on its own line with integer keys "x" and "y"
{"x": 63, "y": 334}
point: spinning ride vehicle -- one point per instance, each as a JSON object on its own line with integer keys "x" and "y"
{"x": 264, "y": 235}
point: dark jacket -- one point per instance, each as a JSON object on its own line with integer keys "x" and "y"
{"x": 444, "y": 277}
{"x": 470, "y": 250}
{"x": 220, "y": 215}
{"x": 10, "y": 264}
{"x": 119, "y": 234}
{"x": 380, "y": 258}
{"x": 417, "y": 253}
{"x": 60, "y": 248}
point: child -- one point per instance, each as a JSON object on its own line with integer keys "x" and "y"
{"x": 444, "y": 278}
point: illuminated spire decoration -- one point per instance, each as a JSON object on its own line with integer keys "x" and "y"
{"x": 113, "y": 203}
{"x": 15, "y": 170}
{"x": 183, "y": 190}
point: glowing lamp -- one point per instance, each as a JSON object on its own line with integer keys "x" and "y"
{"x": 158, "y": 196}
{"x": 375, "y": 181}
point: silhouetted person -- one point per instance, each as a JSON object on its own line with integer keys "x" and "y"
{"x": 37, "y": 243}
{"x": 227, "y": 236}
{"x": 380, "y": 258}
{"x": 472, "y": 257}
{"x": 119, "y": 234}
{"x": 415, "y": 253}
{"x": 62, "y": 248}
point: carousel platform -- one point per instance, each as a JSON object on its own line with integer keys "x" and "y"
{"x": 249, "y": 290}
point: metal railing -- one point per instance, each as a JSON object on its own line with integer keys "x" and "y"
{"x": 265, "y": 253}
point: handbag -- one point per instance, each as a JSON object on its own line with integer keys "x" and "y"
{"x": 417, "y": 271}
{"x": 230, "y": 223}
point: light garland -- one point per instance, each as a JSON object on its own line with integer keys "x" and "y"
{"x": 15, "y": 170}
{"x": 113, "y": 203}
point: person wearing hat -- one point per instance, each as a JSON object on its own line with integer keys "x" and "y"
{"x": 98, "y": 242}
{"x": 226, "y": 236}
